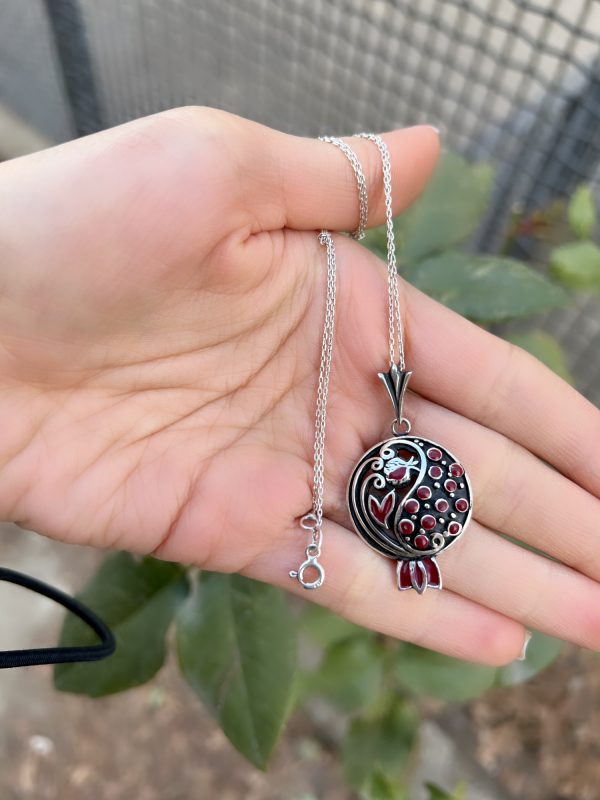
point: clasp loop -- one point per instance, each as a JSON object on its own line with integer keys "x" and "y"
{"x": 397, "y": 427}
{"x": 311, "y": 562}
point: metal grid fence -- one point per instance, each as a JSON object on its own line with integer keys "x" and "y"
{"x": 513, "y": 81}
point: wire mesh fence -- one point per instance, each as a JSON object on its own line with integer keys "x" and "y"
{"x": 513, "y": 81}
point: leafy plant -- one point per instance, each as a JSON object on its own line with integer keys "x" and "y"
{"x": 236, "y": 639}
{"x": 138, "y": 600}
{"x": 437, "y": 793}
{"x": 236, "y": 643}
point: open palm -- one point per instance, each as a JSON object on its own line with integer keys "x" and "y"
{"x": 161, "y": 310}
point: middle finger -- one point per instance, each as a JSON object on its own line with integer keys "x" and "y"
{"x": 514, "y": 492}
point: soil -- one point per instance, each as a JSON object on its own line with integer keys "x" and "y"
{"x": 153, "y": 743}
{"x": 538, "y": 741}
{"x": 541, "y": 740}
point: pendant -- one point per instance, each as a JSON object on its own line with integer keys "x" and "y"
{"x": 409, "y": 498}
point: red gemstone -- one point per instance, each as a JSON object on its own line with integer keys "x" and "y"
{"x": 454, "y": 528}
{"x": 450, "y": 485}
{"x": 423, "y": 492}
{"x": 442, "y": 505}
{"x": 456, "y": 470}
{"x": 411, "y": 506}
{"x": 428, "y": 522}
{"x": 421, "y": 542}
{"x": 434, "y": 454}
{"x": 461, "y": 504}
{"x": 435, "y": 472}
{"x": 406, "y": 527}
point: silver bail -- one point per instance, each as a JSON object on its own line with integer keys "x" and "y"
{"x": 396, "y": 381}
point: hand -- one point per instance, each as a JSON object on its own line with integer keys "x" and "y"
{"x": 161, "y": 310}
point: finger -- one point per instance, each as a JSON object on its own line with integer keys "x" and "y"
{"x": 538, "y": 592}
{"x": 360, "y": 585}
{"x": 306, "y": 184}
{"x": 501, "y": 386}
{"x": 462, "y": 367}
{"x": 514, "y": 491}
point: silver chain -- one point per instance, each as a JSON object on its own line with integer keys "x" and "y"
{"x": 324, "y": 373}
{"x": 313, "y": 521}
{"x": 363, "y": 194}
{"x": 396, "y": 336}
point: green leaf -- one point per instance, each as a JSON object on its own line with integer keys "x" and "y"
{"x": 577, "y": 265}
{"x": 581, "y": 212}
{"x": 437, "y": 793}
{"x": 351, "y": 674}
{"x": 435, "y": 675}
{"x": 326, "y": 628}
{"x": 487, "y": 288}
{"x": 236, "y": 641}
{"x": 448, "y": 211}
{"x": 541, "y": 652}
{"x": 384, "y": 744}
{"x": 379, "y": 787}
{"x": 137, "y": 599}
{"x": 544, "y": 347}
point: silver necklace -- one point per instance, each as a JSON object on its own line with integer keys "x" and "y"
{"x": 408, "y": 497}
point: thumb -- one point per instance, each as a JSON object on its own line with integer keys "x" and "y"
{"x": 307, "y": 184}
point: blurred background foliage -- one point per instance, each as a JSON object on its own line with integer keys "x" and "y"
{"x": 250, "y": 655}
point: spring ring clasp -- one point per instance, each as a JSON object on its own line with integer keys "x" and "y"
{"x": 310, "y": 522}
{"x": 310, "y": 562}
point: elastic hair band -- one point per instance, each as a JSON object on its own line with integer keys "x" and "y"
{"x": 57, "y": 655}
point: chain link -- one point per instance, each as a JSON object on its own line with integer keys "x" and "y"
{"x": 363, "y": 194}
{"x": 313, "y": 521}
{"x": 324, "y": 374}
{"x": 396, "y": 336}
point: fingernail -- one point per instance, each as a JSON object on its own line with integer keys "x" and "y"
{"x": 434, "y": 129}
{"x": 523, "y": 655}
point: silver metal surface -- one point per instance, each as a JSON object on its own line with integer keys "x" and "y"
{"x": 396, "y": 382}
{"x": 385, "y": 542}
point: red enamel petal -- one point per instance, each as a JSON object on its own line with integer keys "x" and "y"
{"x": 434, "y": 579}
{"x": 381, "y": 510}
{"x": 404, "y": 579}
{"x": 388, "y": 503}
{"x": 418, "y": 575}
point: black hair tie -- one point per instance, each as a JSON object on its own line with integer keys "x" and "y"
{"x": 57, "y": 655}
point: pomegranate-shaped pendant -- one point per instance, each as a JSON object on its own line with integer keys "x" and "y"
{"x": 409, "y": 498}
